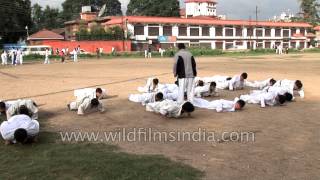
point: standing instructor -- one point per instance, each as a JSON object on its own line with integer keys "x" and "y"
{"x": 185, "y": 69}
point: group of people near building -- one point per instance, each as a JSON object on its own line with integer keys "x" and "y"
{"x": 190, "y": 91}
{"x": 171, "y": 100}
{"x": 64, "y": 54}
{"x": 148, "y": 52}
{"x": 15, "y": 55}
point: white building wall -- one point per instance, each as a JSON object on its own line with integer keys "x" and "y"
{"x": 200, "y": 9}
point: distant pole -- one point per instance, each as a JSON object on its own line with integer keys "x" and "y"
{"x": 257, "y": 14}
{"x": 27, "y": 28}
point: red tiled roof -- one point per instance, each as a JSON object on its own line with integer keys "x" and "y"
{"x": 200, "y": 1}
{"x": 202, "y": 21}
{"x": 317, "y": 28}
{"x": 45, "y": 34}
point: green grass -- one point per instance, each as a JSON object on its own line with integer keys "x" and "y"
{"x": 197, "y": 52}
{"x": 51, "y": 159}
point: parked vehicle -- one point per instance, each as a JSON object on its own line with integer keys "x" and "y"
{"x": 40, "y": 50}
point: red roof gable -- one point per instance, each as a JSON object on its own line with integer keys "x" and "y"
{"x": 317, "y": 28}
{"x": 203, "y": 21}
{"x": 44, "y": 35}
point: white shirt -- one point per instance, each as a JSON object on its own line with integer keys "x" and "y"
{"x": 289, "y": 85}
{"x": 4, "y": 56}
{"x": 89, "y": 92}
{"x": 8, "y": 128}
{"x": 166, "y": 108}
{"x": 218, "y": 105}
{"x": 236, "y": 83}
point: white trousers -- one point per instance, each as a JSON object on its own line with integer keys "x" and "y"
{"x": 4, "y": 61}
{"x": 46, "y": 60}
{"x": 186, "y": 85}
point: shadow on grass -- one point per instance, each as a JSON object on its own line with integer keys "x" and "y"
{"x": 51, "y": 159}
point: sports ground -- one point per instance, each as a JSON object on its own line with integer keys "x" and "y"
{"x": 287, "y": 138}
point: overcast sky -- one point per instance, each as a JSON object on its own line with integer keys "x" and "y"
{"x": 234, "y": 9}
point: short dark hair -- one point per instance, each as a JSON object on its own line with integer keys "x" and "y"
{"x": 229, "y": 78}
{"x": 20, "y": 135}
{"x": 159, "y": 96}
{"x": 99, "y": 90}
{"x": 289, "y": 96}
{"x": 95, "y": 102}
{"x": 155, "y": 81}
{"x": 299, "y": 84}
{"x": 272, "y": 81}
{"x": 181, "y": 46}
{"x": 24, "y": 110}
{"x": 188, "y": 107}
{"x": 200, "y": 83}
{"x": 282, "y": 99}
{"x": 241, "y": 103}
{"x": 213, "y": 84}
{"x": 244, "y": 75}
{"x": 2, "y": 105}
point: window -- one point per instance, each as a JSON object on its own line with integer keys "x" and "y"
{"x": 219, "y": 31}
{"x": 259, "y": 32}
{"x": 194, "y": 31}
{"x": 205, "y": 31}
{"x": 138, "y": 30}
{"x": 153, "y": 31}
{"x": 267, "y": 32}
{"x": 286, "y": 33}
{"x": 278, "y": 32}
{"x": 229, "y": 32}
{"x": 250, "y": 32}
{"x": 167, "y": 30}
{"x": 238, "y": 31}
{"x": 182, "y": 31}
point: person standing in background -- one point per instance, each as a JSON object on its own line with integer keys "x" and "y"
{"x": 46, "y": 60}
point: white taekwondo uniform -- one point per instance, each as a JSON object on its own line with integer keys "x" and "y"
{"x": 218, "y": 105}
{"x": 8, "y": 128}
{"x": 144, "y": 98}
{"x": 83, "y": 105}
{"x": 259, "y": 84}
{"x": 149, "y": 87}
{"x": 166, "y": 108}
{"x": 80, "y": 93}
{"x": 13, "y": 108}
{"x": 289, "y": 84}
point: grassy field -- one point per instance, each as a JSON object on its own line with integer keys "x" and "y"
{"x": 51, "y": 159}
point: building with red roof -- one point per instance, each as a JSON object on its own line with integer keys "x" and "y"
{"x": 44, "y": 35}
{"x": 200, "y": 31}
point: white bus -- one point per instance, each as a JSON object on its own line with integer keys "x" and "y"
{"x": 41, "y": 50}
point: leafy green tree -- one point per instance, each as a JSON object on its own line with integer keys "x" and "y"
{"x": 48, "y": 18}
{"x": 72, "y": 8}
{"x": 15, "y": 16}
{"x": 310, "y": 10}
{"x": 165, "y": 8}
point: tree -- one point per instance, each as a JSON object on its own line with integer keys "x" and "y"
{"x": 309, "y": 10}
{"x": 15, "y": 16}
{"x": 49, "y": 18}
{"x": 72, "y": 8}
{"x": 165, "y": 8}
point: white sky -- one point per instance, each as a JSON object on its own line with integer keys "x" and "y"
{"x": 234, "y": 9}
